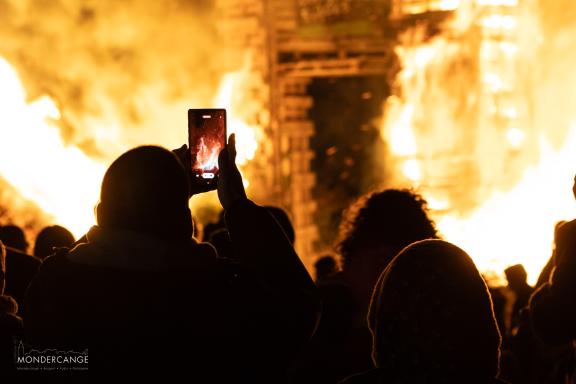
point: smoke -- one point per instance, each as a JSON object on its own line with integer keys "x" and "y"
{"x": 122, "y": 73}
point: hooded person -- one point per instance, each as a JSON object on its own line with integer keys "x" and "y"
{"x": 431, "y": 320}
{"x": 143, "y": 297}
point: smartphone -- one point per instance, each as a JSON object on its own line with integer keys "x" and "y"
{"x": 206, "y": 138}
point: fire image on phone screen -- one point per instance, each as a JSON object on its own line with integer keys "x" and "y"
{"x": 207, "y": 137}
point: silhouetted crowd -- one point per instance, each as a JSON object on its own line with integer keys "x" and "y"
{"x": 140, "y": 297}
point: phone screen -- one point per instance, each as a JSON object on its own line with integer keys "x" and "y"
{"x": 206, "y": 137}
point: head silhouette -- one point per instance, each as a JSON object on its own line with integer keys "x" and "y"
{"x": 431, "y": 316}
{"x": 146, "y": 190}
{"x": 325, "y": 266}
{"x": 52, "y": 237}
{"x": 392, "y": 218}
{"x": 516, "y": 276}
{"x": 14, "y": 237}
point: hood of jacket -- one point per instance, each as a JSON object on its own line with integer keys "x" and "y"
{"x": 431, "y": 315}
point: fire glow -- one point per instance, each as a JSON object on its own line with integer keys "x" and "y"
{"x": 60, "y": 178}
{"x": 485, "y": 136}
{"x": 498, "y": 179}
{"x": 207, "y": 159}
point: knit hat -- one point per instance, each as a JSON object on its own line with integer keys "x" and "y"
{"x": 431, "y": 316}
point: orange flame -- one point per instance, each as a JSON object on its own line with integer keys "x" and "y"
{"x": 464, "y": 130}
{"x": 207, "y": 159}
{"x": 61, "y": 179}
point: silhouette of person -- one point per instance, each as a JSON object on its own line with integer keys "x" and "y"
{"x": 50, "y": 238}
{"x": 517, "y": 282}
{"x": 553, "y": 304}
{"x": 13, "y": 237}
{"x": 373, "y": 231}
{"x": 499, "y": 300}
{"x": 325, "y": 267}
{"x": 431, "y": 320}
{"x": 144, "y": 297}
{"x": 20, "y": 267}
{"x": 533, "y": 361}
{"x": 11, "y": 326}
{"x": 2, "y": 268}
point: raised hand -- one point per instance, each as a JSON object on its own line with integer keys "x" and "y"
{"x": 230, "y": 186}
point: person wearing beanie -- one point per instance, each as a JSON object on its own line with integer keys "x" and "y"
{"x": 432, "y": 321}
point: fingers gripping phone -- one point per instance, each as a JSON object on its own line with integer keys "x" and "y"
{"x": 206, "y": 138}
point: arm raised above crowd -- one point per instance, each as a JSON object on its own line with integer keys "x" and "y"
{"x": 263, "y": 247}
